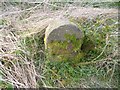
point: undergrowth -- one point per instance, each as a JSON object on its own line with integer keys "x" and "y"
{"x": 98, "y": 63}
{"x": 28, "y": 65}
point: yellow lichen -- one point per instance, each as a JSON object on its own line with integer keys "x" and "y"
{"x": 70, "y": 49}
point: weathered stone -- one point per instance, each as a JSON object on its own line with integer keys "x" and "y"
{"x": 63, "y": 39}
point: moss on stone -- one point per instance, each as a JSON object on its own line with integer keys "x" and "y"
{"x": 70, "y": 49}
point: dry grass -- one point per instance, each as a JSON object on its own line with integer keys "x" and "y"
{"x": 20, "y": 20}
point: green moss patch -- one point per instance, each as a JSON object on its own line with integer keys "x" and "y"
{"x": 68, "y": 50}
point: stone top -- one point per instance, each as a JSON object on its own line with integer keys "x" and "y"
{"x": 57, "y": 30}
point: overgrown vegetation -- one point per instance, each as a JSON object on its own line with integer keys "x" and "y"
{"x": 99, "y": 62}
{"x": 30, "y": 67}
{"x": 95, "y": 63}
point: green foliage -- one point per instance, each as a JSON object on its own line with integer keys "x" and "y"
{"x": 97, "y": 45}
{"x": 95, "y": 56}
{"x": 3, "y": 22}
{"x": 66, "y": 74}
{"x": 106, "y": 4}
{"x": 97, "y": 42}
{"x": 75, "y": 42}
{"x": 32, "y": 48}
{"x": 68, "y": 50}
{"x": 33, "y": 45}
{"x": 95, "y": 4}
{"x": 5, "y": 85}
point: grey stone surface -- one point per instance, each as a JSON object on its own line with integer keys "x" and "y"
{"x": 58, "y": 28}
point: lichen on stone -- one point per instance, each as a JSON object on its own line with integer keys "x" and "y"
{"x": 67, "y": 50}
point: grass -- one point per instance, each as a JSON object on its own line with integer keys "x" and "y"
{"x": 99, "y": 62}
{"x": 96, "y": 62}
{"x": 30, "y": 67}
